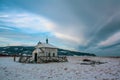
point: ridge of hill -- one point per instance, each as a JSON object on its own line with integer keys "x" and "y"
{"x": 16, "y": 50}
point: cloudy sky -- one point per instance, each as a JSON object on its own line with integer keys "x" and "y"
{"x": 84, "y": 25}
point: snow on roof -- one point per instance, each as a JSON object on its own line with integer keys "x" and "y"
{"x": 45, "y": 45}
{"x": 37, "y": 50}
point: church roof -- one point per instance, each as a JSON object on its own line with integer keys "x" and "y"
{"x": 46, "y": 45}
{"x": 37, "y": 50}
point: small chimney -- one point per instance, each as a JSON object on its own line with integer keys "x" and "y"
{"x": 46, "y": 40}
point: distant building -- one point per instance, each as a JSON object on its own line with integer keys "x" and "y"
{"x": 44, "y": 50}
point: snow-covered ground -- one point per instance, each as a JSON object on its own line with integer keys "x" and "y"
{"x": 72, "y": 70}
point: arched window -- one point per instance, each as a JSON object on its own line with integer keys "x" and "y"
{"x": 49, "y": 54}
{"x": 53, "y": 54}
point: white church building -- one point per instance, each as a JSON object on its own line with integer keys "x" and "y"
{"x": 44, "y": 50}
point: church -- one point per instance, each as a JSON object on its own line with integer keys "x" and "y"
{"x": 44, "y": 50}
{"x": 43, "y": 53}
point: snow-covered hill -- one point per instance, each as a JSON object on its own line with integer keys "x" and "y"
{"x": 72, "y": 70}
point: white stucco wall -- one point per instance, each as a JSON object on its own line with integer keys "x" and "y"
{"x": 46, "y": 52}
{"x": 51, "y": 51}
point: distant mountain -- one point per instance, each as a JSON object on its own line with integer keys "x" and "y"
{"x": 16, "y": 50}
{"x": 73, "y": 53}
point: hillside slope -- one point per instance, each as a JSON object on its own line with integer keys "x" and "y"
{"x": 12, "y": 50}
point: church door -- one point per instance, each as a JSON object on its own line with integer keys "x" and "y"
{"x": 35, "y": 57}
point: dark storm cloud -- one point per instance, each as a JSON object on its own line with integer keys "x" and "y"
{"x": 111, "y": 46}
{"x": 106, "y": 31}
